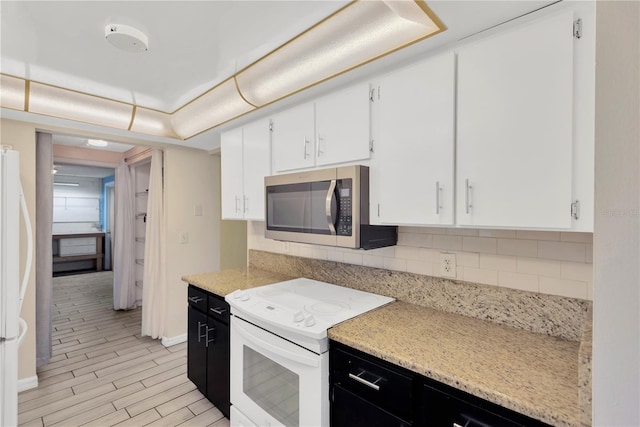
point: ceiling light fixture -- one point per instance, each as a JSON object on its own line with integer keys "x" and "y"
{"x": 360, "y": 32}
{"x": 126, "y": 38}
{"x": 97, "y": 143}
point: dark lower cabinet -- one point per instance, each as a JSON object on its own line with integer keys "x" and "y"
{"x": 208, "y": 346}
{"x": 367, "y": 391}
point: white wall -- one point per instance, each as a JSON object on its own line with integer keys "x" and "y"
{"x": 191, "y": 179}
{"x": 75, "y": 205}
{"x": 616, "y": 346}
{"x": 537, "y": 261}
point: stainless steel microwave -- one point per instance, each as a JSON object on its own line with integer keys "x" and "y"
{"x": 324, "y": 207}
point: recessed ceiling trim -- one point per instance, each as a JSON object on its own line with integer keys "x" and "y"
{"x": 333, "y": 46}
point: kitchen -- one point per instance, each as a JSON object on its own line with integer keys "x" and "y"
{"x": 612, "y": 374}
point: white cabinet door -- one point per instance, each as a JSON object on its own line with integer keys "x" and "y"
{"x": 232, "y": 174}
{"x": 412, "y": 122}
{"x": 293, "y": 138}
{"x": 257, "y": 165}
{"x": 342, "y": 126}
{"x": 514, "y": 127}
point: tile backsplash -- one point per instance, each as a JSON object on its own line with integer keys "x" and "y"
{"x": 557, "y": 263}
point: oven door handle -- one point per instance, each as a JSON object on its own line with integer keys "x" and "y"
{"x": 330, "y": 207}
{"x": 273, "y": 350}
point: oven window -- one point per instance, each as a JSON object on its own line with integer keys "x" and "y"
{"x": 271, "y": 386}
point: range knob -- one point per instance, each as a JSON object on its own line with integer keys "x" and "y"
{"x": 309, "y": 321}
{"x": 237, "y": 294}
{"x": 298, "y": 316}
{"x": 244, "y": 296}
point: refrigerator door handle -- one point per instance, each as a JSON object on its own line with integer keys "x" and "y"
{"x": 23, "y": 328}
{"x": 29, "y": 261}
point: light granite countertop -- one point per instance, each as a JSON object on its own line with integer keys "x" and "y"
{"x": 224, "y": 282}
{"x": 531, "y": 373}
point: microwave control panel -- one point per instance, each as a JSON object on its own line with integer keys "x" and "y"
{"x": 344, "y": 224}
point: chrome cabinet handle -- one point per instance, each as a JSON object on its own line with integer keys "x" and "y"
{"x": 456, "y": 425}
{"x": 327, "y": 207}
{"x": 320, "y": 142}
{"x": 200, "y": 325}
{"x": 237, "y": 204}
{"x": 207, "y": 341}
{"x": 361, "y": 380}
{"x": 305, "y": 141}
{"x": 245, "y": 203}
{"x": 468, "y": 195}
{"x": 195, "y": 300}
{"x": 218, "y": 310}
{"x": 438, "y": 190}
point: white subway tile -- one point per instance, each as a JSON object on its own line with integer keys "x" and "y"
{"x": 576, "y": 237}
{"x": 538, "y": 235}
{"x": 468, "y": 259}
{"x": 435, "y": 269}
{"x": 406, "y": 252}
{"x": 414, "y": 230}
{"x": 485, "y": 245}
{"x": 452, "y": 243}
{"x": 389, "y": 251}
{"x": 498, "y": 262}
{"x": 589, "y": 257}
{"x": 562, "y": 251}
{"x": 502, "y": 234}
{"x": 540, "y": 267}
{"x": 336, "y": 256}
{"x": 415, "y": 240}
{"x": 563, "y": 287}
{"x": 430, "y": 254}
{"x": 577, "y": 271}
{"x": 462, "y": 232}
{"x": 519, "y": 247}
{"x": 420, "y": 267}
{"x": 395, "y": 264}
{"x": 524, "y": 282}
{"x": 373, "y": 261}
{"x": 353, "y": 258}
{"x": 590, "y": 291}
{"x": 434, "y": 230}
{"x": 478, "y": 275}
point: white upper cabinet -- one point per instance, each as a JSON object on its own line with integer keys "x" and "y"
{"x": 515, "y": 127}
{"x": 293, "y": 138}
{"x": 412, "y": 121}
{"x": 342, "y": 126}
{"x": 246, "y": 160}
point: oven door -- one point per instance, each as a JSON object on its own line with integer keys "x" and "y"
{"x": 275, "y": 382}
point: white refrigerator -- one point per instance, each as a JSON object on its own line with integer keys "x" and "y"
{"x": 12, "y": 327}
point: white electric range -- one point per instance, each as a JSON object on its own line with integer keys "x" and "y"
{"x": 279, "y": 349}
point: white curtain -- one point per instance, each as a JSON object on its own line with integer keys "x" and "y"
{"x": 124, "y": 283}
{"x": 154, "y": 283}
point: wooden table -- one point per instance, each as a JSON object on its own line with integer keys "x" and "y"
{"x": 98, "y": 256}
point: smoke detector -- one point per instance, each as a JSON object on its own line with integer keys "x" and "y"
{"x": 126, "y": 38}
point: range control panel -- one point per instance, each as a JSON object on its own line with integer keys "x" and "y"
{"x": 344, "y": 225}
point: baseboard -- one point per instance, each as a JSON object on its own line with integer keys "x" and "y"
{"x": 168, "y": 342}
{"x": 27, "y": 383}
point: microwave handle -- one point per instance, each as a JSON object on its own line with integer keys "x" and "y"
{"x": 331, "y": 207}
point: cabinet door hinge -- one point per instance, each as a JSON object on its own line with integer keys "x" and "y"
{"x": 577, "y": 28}
{"x": 371, "y": 146}
{"x": 371, "y": 94}
{"x": 575, "y": 210}
{"x": 270, "y": 125}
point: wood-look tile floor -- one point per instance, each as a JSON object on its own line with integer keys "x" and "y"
{"x": 103, "y": 373}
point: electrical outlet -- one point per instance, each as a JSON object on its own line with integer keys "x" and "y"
{"x": 184, "y": 237}
{"x": 448, "y": 265}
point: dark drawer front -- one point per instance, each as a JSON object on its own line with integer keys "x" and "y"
{"x": 218, "y": 308}
{"x": 197, "y": 298}
{"x": 389, "y": 388}
{"x": 349, "y": 410}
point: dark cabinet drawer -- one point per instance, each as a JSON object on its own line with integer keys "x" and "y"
{"x": 218, "y": 308}
{"x": 349, "y": 410}
{"x": 385, "y": 385}
{"x": 197, "y": 298}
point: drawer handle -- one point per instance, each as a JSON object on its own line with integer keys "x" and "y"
{"x": 208, "y": 340}
{"x": 218, "y": 310}
{"x": 361, "y": 380}
{"x": 196, "y": 300}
